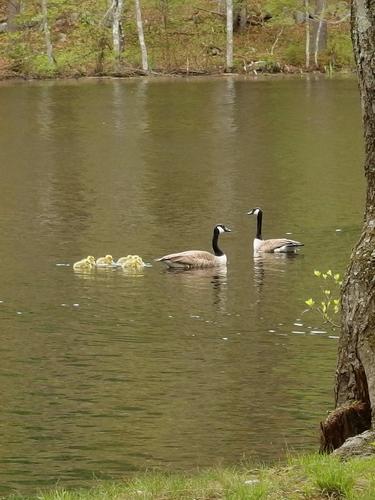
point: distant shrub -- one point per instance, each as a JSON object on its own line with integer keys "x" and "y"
{"x": 295, "y": 54}
{"x": 40, "y": 65}
{"x": 340, "y": 50}
{"x": 68, "y": 62}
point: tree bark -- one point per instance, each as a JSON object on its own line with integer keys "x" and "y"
{"x": 141, "y": 38}
{"x": 355, "y": 374}
{"x": 229, "y": 63}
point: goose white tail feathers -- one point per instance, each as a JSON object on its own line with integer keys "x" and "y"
{"x": 274, "y": 245}
{"x": 199, "y": 258}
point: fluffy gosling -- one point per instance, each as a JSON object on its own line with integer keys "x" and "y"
{"x": 87, "y": 263}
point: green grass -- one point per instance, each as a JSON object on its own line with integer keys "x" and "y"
{"x": 303, "y": 477}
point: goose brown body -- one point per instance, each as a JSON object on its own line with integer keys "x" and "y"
{"x": 198, "y": 258}
{"x": 272, "y": 245}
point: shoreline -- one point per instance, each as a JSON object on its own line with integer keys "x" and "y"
{"x": 153, "y": 75}
{"x": 313, "y": 476}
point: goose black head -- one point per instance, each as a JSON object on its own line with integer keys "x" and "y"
{"x": 222, "y": 229}
{"x": 254, "y": 211}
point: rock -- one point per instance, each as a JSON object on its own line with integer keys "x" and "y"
{"x": 263, "y": 67}
{"x": 360, "y": 445}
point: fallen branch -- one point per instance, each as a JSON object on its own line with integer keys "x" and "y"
{"x": 215, "y": 12}
{"x": 276, "y": 40}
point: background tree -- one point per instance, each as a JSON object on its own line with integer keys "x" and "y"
{"x": 141, "y": 38}
{"x": 229, "y": 62}
{"x": 307, "y": 38}
{"x": 46, "y": 31}
{"x": 355, "y": 375}
{"x": 13, "y": 9}
{"x": 318, "y": 31}
{"x": 117, "y": 7}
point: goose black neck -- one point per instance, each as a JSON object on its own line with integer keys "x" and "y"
{"x": 259, "y": 225}
{"x": 215, "y": 245}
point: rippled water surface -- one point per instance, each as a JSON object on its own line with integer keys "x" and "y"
{"x": 107, "y": 372}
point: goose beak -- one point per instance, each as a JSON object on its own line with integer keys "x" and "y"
{"x": 227, "y": 230}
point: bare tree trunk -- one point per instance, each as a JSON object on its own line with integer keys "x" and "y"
{"x": 141, "y": 37}
{"x": 321, "y": 5}
{"x": 307, "y": 25}
{"x": 229, "y": 64}
{"x": 355, "y": 375}
{"x": 13, "y": 9}
{"x": 47, "y": 35}
{"x": 240, "y": 16}
{"x": 117, "y": 6}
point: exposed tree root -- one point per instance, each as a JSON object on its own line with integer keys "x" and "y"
{"x": 342, "y": 423}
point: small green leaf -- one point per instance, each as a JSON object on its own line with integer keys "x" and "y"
{"x": 329, "y": 273}
{"x": 317, "y": 273}
{"x": 336, "y": 277}
{"x": 327, "y": 292}
{"x": 324, "y": 276}
{"x": 310, "y": 302}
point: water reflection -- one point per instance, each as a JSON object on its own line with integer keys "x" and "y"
{"x": 269, "y": 265}
{"x": 201, "y": 279}
{"x": 98, "y": 365}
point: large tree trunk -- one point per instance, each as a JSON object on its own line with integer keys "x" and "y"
{"x": 355, "y": 375}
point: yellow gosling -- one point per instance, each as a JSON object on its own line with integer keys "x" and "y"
{"x": 105, "y": 261}
{"x": 122, "y": 260}
{"x": 133, "y": 262}
{"x": 86, "y": 264}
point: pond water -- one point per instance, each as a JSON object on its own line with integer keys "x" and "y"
{"x": 107, "y": 373}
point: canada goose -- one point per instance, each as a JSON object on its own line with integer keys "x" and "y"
{"x": 199, "y": 258}
{"x": 87, "y": 263}
{"x": 106, "y": 261}
{"x": 280, "y": 245}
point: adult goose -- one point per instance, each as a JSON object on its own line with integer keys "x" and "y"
{"x": 199, "y": 258}
{"x": 279, "y": 245}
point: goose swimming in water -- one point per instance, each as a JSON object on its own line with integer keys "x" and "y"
{"x": 199, "y": 258}
{"x": 279, "y": 245}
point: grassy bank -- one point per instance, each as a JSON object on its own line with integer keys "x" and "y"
{"x": 306, "y": 477}
{"x": 183, "y": 37}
